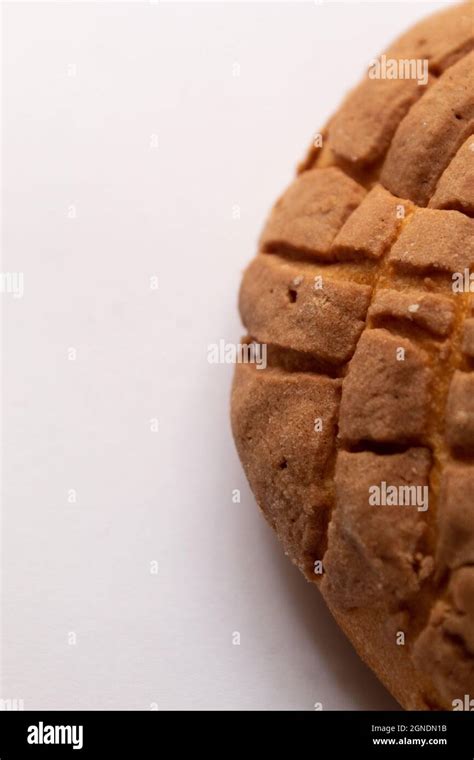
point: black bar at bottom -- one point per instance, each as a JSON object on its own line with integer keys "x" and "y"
{"x": 150, "y": 734}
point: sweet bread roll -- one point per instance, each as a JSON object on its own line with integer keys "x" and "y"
{"x": 358, "y": 436}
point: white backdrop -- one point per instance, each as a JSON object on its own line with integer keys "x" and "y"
{"x": 146, "y": 140}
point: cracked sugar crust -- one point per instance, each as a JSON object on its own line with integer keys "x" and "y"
{"x": 385, "y": 543}
{"x": 370, "y": 375}
{"x": 455, "y": 189}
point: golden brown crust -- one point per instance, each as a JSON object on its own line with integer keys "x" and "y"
{"x": 431, "y": 133}
{"x": 394, "y": 405}
{"x": 273, "y": 418}
{"x": 311, "y": 212}
{"x": 455, "y": 188}
{"x": 372, "y": 227}
{"x": 278, "y": 300}
{"x": 370, "y": 376}
{"x": 427, "y": 311}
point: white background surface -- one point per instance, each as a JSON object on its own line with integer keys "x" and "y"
{"x": 84, "y": 140}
